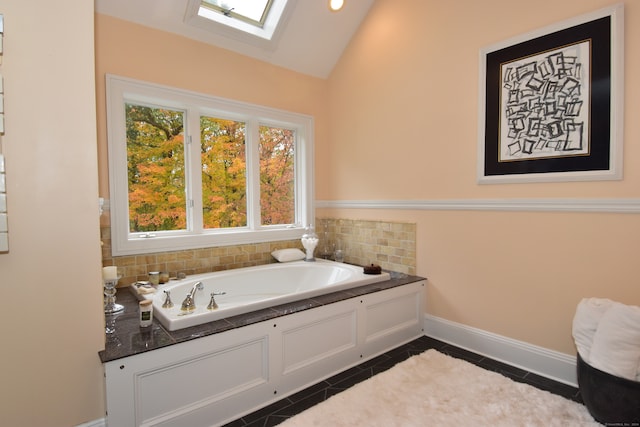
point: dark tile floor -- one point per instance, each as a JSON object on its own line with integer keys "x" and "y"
{"x": 281, "y": 410}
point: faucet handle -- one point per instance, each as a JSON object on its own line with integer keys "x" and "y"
{"x": 213, "y": 305}
{"x": 167, "y": 302}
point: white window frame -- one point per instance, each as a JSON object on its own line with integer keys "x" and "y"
{"x": 120, "y": 90}
{"x": 230, "y": 29}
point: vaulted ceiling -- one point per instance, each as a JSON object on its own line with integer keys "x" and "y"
{"x": 310, "y": 41}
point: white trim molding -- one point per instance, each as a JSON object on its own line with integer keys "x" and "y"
{"x": 539, "y": 360}
{"x": 532, "y": 205}
{"x": 101, "y": 422}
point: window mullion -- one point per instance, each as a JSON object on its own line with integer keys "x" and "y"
{"x": 194, "y": 170}
{"x": 305, "y": 193}
{"x": 253, "y": 174}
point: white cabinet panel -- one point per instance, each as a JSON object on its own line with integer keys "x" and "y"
{"x": 396, "y": 313}
{"x": 215, "y": 379}
{"x": 317, "y": 340}
{"x": 200, "y": 381}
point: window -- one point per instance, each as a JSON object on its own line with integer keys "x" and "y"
{"x": 253, "y": 11}
{"x": 257, "y": 22}
{"x": 188, "y": 170}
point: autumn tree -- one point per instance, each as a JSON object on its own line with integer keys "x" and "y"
{"x": 277, "y": 193}
{"x": 155, "y": 159}
{"x": 156, "y": 167}
{"x": 223, "y": 173}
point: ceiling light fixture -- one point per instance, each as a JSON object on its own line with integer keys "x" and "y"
{"x": 335, "y": 5}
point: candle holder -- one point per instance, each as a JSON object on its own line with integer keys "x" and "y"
{"x": 110, "y": 306}
{"x": 309, "y": 241}
{"x": 110, "y": 325}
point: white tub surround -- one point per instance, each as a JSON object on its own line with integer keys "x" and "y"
{"x": 220, "y": 377}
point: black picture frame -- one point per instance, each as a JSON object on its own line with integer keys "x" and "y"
{"x": 551, "y": 103}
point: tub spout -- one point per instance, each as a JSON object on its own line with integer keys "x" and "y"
{"x": 189, "y": 303}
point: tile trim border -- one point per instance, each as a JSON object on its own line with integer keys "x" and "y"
{"x": 592, "y": 205}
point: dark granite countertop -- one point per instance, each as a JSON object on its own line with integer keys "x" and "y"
{"x": 129, "y": 339}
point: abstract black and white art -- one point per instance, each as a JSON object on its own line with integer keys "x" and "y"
{"x": 545, "y": 105}
{"x": 551, "y": 103}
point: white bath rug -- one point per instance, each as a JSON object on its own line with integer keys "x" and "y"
{"x": 432, "y": 389}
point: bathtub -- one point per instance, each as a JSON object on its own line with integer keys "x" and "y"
{"x": 253, "y": 288}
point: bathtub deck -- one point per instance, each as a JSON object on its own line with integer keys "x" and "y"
{"x": 128, "y": 339}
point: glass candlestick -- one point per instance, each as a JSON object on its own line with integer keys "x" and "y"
{"x": 309, "y": 242}
{"x": 110, "y": 324}
{"x": 326, "y": 250}
{"x": 110, "y": 305}
{"x": 338, "y": 253}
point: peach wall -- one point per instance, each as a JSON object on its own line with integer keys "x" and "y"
{"x": 404, "y": 127}
{"x": 408, "y": 81}
{"x": 52, "y": 324}
{"x": 142, "y": 53}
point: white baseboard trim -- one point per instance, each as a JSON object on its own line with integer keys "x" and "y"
{"x": 548, "y": 363}
{"x": 102, "y": 422}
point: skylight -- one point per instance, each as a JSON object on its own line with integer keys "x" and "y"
{"x": 258, "y": 18}
{"x": 253, "y": 11}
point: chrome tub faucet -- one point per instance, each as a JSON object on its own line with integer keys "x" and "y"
{"x": 189, "y": 303}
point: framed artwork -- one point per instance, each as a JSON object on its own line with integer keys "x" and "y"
{"x": 551, "y": 103}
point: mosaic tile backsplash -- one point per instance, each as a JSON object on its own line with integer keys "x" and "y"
{"x": 388, "y": 244}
